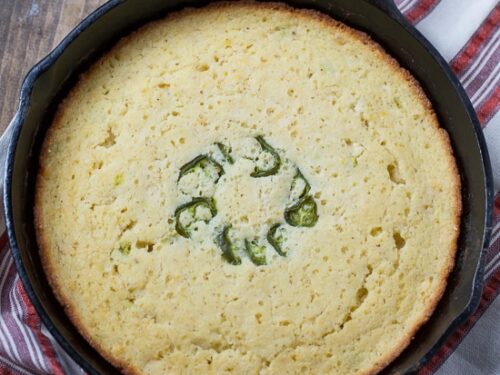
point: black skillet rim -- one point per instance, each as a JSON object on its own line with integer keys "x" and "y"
{"x": 47, "y": 62}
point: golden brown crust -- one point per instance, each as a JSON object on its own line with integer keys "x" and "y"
{"x": 44, "y": 253}
{"x": 299, "y": 13}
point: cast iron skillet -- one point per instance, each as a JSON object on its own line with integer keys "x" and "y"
{"x": 48, "y": 80}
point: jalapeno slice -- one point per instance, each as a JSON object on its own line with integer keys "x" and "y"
{"x": 198, "y": 179}
{"x": 198, "y": 209}
{"x": 225, "y": 151}
{"x": 300, "y": 186}
{"x": 202, "y": 162}
{"x": 276, "y": 237}
{"x": 256, "y": 252}
{"x": 228, "y": 248}
{"x": 304, "y": 213}
{"x": 275, "y": 163}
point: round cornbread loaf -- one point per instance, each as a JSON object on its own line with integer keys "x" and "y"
{"x": 247, "y": 188}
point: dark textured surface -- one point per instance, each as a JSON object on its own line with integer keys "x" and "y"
{"x": 29, "y": 29}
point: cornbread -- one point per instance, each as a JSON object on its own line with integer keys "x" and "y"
{"x": 247, "y": 188}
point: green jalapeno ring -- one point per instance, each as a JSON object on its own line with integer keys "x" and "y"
{"x": 225, "y": 151}
{"x": 276, "y": 164}
{"x": 304, "y": 213}
{"x": 256, "y": 252}
{"x": 227, "y": 247}
{"x": 192, "y": 205}
{"x": 299, "y": 176}
{"x": 200, "y": 161}
{"x": 275, "y": 239}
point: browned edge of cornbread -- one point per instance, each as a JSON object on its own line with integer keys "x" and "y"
{"x": 298, "y": 14}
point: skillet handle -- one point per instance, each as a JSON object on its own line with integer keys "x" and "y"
{"x": 388, "y": 7}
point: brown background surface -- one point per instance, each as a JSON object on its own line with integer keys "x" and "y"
{"x": 29, "y": 29}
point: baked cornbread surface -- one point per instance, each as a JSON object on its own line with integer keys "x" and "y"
{"x": 352, "y": 288}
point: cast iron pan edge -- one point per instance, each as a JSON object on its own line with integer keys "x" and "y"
{"x": 16, "y": 124}
{"x": 388, "y": 7}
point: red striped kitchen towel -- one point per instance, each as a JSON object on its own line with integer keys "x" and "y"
{"x": 467, "y": 33}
